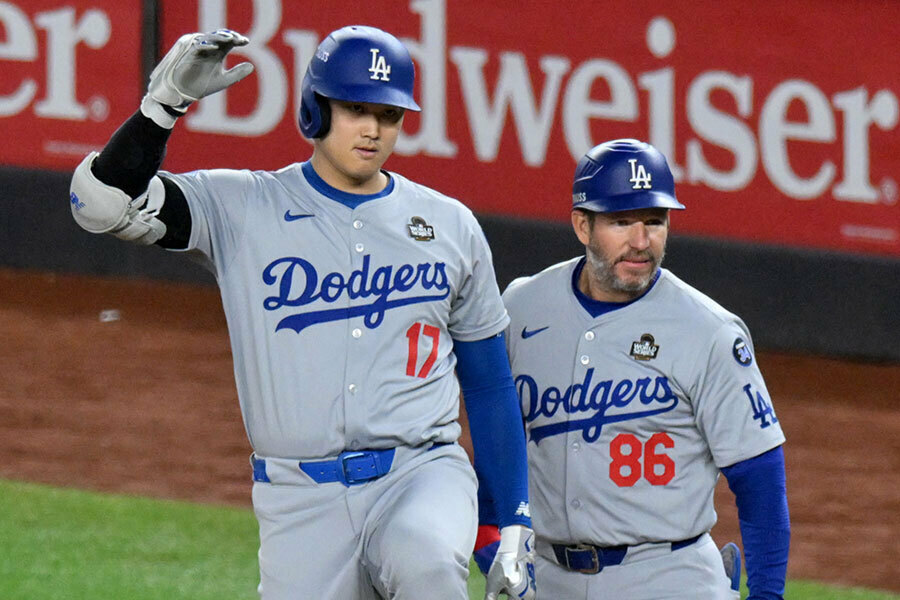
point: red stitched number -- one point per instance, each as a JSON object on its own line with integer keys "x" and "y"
{"x": 412, "y": 334}
{"x": 632, "y": 460}
{"x": 652, "y": 460}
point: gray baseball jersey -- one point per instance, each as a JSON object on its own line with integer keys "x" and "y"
{"x": 341, "y": 319}
{"x": 631, "y": 414}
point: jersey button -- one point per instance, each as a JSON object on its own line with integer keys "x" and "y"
{"x": 360, "y": 247}
{"x": 576, "y": 503}
{"x": 357, "y": 224}
{"x": 351, "y": 388}
{"x": 357, "y": 333}
{"x": 585, "y": 359}
{"x": 589, "y": 336}
{"x": 576, "y": 446}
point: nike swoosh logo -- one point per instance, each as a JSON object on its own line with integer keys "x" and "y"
{"x": 289, "y": 217}
{"x": 527, "y": 334}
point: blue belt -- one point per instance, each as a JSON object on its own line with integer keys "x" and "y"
{"x": 587, "y": 558}
{"x": 351, "y": 467}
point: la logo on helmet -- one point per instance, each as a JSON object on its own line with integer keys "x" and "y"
{"x": 639, "y": 176}
{"x": 379, "y": 69}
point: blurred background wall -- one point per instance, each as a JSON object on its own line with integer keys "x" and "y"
{"x": 786, "y": 155}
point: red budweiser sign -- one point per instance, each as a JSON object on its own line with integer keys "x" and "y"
{"x": 71, "y": 74}
{"x": 770, "y": 140}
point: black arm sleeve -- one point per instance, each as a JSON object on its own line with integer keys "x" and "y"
{"x": 132, "y": 155}
{"x": 177, "y": 217}
{"x": 129, "y": 161}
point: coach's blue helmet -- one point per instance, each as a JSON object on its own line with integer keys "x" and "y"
{"x": 355, "y": 64}
{"x": 621, "y": 175}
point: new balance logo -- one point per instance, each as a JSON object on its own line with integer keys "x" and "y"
{"x": 523, "y": 510}
{"x": 379, "y": 70}
{"x": 639, "y": 176}
{"x": 289, "y": 217}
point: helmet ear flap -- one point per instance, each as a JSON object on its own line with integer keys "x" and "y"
{"x": 310, "y": 113}
{"x": 324, "y": 116}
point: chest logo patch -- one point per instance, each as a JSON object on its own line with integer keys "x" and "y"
{"x": 289, "y": 216}
{"x": 419, "y": 230}
{"x": 527, "y": 334}
{"x": 741, "y": 353}
{"x": 645, "y": 349}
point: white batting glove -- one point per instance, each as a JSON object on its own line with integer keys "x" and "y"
{"x": 512, "y": 571}
{"x": 192, "y": 69}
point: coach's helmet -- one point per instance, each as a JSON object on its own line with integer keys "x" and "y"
{"x": 623, "y": 174}
{"x": 355, "y": 64}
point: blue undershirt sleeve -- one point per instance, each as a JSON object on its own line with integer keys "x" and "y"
{"x": 495, "y": 423}
{"x": 760, "y": 492}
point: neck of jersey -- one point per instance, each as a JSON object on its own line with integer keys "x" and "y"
{"x": 346, "y": 198}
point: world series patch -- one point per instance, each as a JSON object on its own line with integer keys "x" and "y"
{"x": 645, "y": 349}
{"x": 419, "y": 230}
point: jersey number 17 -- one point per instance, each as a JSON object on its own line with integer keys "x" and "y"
{"x": 417, "y": 334}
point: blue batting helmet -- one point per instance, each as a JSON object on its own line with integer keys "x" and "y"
{"x": 623, "y": 175}
{"x": 355, "y": 64}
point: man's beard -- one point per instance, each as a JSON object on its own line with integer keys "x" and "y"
{"x": 602, "y": 270}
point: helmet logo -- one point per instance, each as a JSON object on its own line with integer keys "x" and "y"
{"x": 639, "y": 176}
{"x": 379, "y": 70}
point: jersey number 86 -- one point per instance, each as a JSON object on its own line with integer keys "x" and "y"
{"x": 626, "y": 468}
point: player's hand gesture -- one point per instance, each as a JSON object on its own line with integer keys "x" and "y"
{"x": 512, "y": 571}
{"x": 195, "y": 68}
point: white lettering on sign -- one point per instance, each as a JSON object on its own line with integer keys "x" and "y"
{"x": 532, "y": 97}
{"x": 64, "y": 33}
{"x": 533, "y": 112}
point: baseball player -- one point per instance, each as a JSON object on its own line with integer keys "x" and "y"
{"x": 358, "y": 304}
{"x": 637, "y": 390}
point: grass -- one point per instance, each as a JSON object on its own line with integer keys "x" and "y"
{"x": 61, "y": 543}
{"x": 76, "y": 545}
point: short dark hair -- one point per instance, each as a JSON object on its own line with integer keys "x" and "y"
{"x": 589, "y": 215}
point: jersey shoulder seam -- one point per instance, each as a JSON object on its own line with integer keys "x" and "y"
{"x": 698, "y": 299}
{"x": 431, "y": 193}
{"x": 558, "y": 274}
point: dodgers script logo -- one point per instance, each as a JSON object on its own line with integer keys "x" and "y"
{"x": 607, "y": 401}
{"x": 298, "y": 284}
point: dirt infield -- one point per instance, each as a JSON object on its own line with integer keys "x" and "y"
{"x": 145, "y": 404}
